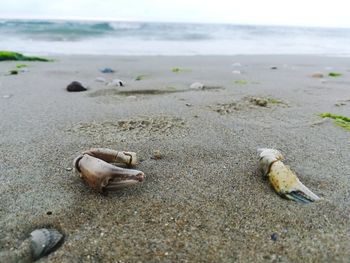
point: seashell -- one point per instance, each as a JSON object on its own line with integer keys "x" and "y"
{"x": 116, "y": 83}
{"x": 197, "y": 85}
{"x": 44, "y": 241}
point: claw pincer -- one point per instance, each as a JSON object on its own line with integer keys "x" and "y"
{"x": 282, "y": 178}
{"x": 96, "y": 170}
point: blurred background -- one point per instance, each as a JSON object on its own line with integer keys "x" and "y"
{"x": 155, "y": 27}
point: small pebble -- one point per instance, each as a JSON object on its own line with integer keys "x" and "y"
{"x": 107, "y": 70}
{"x": 49, "y": 213}
{"x": 75, "y": 86}
{"x": 317, "y": 75}
{"x": 157, "y": 155}
{"x": 238, "y": 72}
{"x": 69, "y": 169}
{"x": 274, "y": 67}
{"x": 274, "y": 237}
{"x": 188, "y": 104}
{"x": 7, "y": 96}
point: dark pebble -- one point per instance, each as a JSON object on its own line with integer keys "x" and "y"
{"x": 274, "y": 237}
{"x": 75, "y": 86}
{"x": 273, "y": 68}
{"x": 49, "y": 213}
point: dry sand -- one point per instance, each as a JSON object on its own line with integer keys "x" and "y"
{"x": 203, "y": 201}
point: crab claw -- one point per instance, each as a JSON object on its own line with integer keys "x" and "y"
{"x": 282, "y": 178}
{"x": 102, "y": 176}
{"x": 112, "y": 156}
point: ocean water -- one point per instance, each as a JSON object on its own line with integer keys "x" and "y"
{"x": 144, "y": 38}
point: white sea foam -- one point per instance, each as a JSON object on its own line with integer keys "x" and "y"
{"x": 137, "y": 38}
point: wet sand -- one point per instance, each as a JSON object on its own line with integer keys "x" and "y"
{"x": 203, "y": 201}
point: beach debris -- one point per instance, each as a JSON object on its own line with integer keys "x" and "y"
{"x": 339, "y": 120}
{"x": 75, "y": 86}
{"x": 44, "y": 241}
{"x": 40, "y": 243}
{"x": 274, "y": 237}
{"x": 157, "y": 155}
{"x": 102, "y": 80}
{"x": 116, "y": 83}
{"x": 95, "y": 168}
{"x": 282, "y": 178}
{"x": 262, "y": 102}
{"x": 197, "y": 85}
{"x": 8, "y": 55}
{"x": 334, "y": 74}
{"x": 7, "y": 96}
{"x": 13, "y": 72}
{"x": 246, "y": 103}
{"x": 241, "y": 82}
{"x": 140, "y": 77}
{"x": 317, "y": 75}
{"x": 107, "y": 70}
{"x": 273, "y": 67}
{"x": 179, "y": 70}
{"x": 21, "y": 66}
{"x": 188, "y": 104}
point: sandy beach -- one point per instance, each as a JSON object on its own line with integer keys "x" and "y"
{"x": 203, "y": 200}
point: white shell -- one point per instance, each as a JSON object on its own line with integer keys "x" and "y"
{"x": 116, "y": 83}
{"x": 197, "y": 85}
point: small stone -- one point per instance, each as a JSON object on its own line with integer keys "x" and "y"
{"x": 69, "y": 169}
{"x": 317, "y": 75}
{"x": 7, "y": 96}
{"x": 75, "y": 86}
{"x": 197, "y": 85}
{"x": 49, "y": 213}
{"x": 188, "y": 104}
{"x": 157, "y": 155}
{"x": 274, "y": 67}
{"x": 107, "y": 70}
{"x": 274, "y": 237}
{"x": 238, "y": 72}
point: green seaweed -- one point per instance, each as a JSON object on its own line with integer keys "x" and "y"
{"x": 241, "y": 82}
{"x": 140, "y": 77}
{"x": 13, "y": 72}
{"x": 8, "y": 55}
{"x": 274, "y": 101}
{"x": 21, "y": 66}
{"x": 339, "y": 120}
{"x": 334, "y": 74}
{"x": 179, "y": 70}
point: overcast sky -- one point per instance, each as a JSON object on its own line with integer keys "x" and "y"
{"x": 335, "y": 13}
